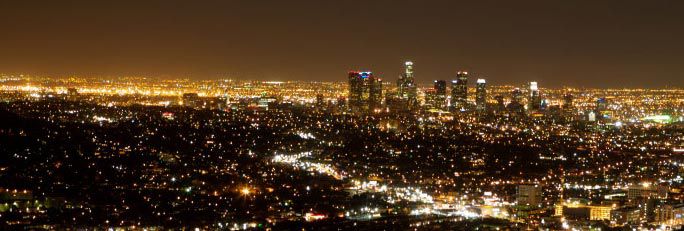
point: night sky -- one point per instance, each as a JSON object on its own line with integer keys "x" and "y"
{"x": 558, "y": 43}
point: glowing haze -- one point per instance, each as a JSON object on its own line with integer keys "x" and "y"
{"x": 557, "y": 43}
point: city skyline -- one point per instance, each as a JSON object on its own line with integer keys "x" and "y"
{"x": 578, "y": 44}
{"x": 341, "y": 115}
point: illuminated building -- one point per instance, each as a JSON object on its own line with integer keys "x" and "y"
{"x": 356, "y": 89}
{"x": 646, "y": 191}
{"x": 527, "y": 194}
{"x": 600, "y": 212}
{"x": 658, "y": 118}
{"x": 440, "y": 87}
{"x": 591, "y": 117}
{"x": 580, "y": 210}
{"x": 365, "y": 91}
{"x": 459, "y": 91}
{"x": 534, "y": 97}
{"x": 431, "y": 99}
{"x": 568, "y": 108}
{"x": 626, "y": 215}
{"x": 517, "y": 96}
{"x": 670, "y": 214}
{"x": 481, "y": 96}
{"x": 406, "y": 85}
{"x": 602, "y": 109}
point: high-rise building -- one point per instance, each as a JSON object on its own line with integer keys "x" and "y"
{"x": 481, "y": 96}
{"x": 568, "y": 107}
{"x": 440, "y": 87}
{"x": 459, "y": 91}
{"x": 375, "y": 94}
{"x": 356, "y": 89}
{"x": 365, "y": 91}
{"x": 535, "y": 100}
{"x": 517, "y": 96}
{"x": 406, "y": 85}
{"x": 603, "y": 111}
{"x": 431, "y": 101}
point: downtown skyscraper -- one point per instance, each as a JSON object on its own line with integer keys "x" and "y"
{"x": 534, "y": 101}
{"x": 481, "y": 96}
{"x": 406, "y": 87}
{"x": 459, "y": 91}
{"x": 440, "y": 87}
{"x": 365, "y": 91}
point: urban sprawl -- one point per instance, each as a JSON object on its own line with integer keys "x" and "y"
{"x": 358, "y": 154}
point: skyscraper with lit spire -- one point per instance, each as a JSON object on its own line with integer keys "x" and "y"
{"x": 481, "y": 96}
{"x": 535, "y": 100}
{"x": 406, "y": 87}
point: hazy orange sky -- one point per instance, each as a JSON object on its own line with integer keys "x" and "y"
{"x": 557, "y": 43}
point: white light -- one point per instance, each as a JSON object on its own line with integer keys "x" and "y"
{"x": 533, "y": 86}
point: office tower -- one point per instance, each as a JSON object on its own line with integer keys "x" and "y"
{"x": 535, "y": 98}
{"x": 527, "y": 194}
{"x": 406, "y": 85}
{"x": 517, "y": 96}
{"x": 481, "y": 96}
{"x": 440, "y": 88}
{"x": 365, "y": 91}
{"x": 355, "y": 89}
{"x": 459, "y": 91}
{"x": 601, "y": 104}
{"x": 375, "y": 93}
{"x": 568, "y": 107}
{"x": 602, "y": 109}
{"x": 431, "y": 100}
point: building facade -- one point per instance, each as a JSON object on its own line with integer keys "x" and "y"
{"x": 365, "y": 92}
